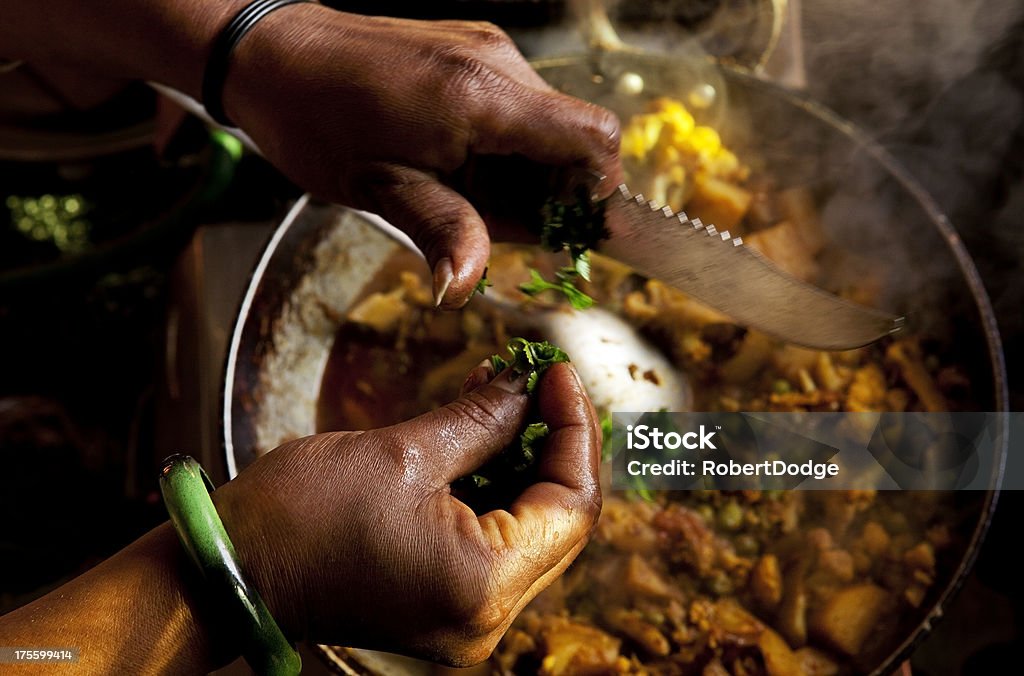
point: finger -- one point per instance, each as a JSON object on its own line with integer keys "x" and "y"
{"x": 552, "y": 516}
{"x": 463, "y": 435}
{"x": 554, "y": 129}
{"x": 572, "y": 454}
{"x": 510, "y": 214}
{"x": 445, "y": 227}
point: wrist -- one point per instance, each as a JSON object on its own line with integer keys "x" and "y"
{"x": 271, "y": 53}
{"x": 259, "y": 539}
{"x": 204, "y": 642}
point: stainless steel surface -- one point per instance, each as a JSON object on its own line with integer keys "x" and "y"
{"x": 720, "y": 271}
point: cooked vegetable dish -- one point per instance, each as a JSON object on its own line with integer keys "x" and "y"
{"x": 705, "y": 582}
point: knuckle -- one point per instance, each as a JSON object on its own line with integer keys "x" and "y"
{"x": 488, "y": 34}
{"x": 373, "y": 186}
{"x": 467, "y": 77}
{"x": 477, "y": 409}
{"x": 604, "y": 127}
{"x": 400, "y": 449}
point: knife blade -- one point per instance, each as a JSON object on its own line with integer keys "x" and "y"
{"x": 720, "y": 271}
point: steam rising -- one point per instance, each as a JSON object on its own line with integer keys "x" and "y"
{"x": 941, "y": 85}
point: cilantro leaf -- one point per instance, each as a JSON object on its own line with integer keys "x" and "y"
{"x": 529, "y": 358}
{"x": 563, "y": 285}
{"x": 530, "y": 442}
{"x": 481, "y": 286}
{"x": 576, "y": 227}
{"x": 606, "y": 436}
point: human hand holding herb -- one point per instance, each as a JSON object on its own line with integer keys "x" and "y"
{"x": 356, "y": 537}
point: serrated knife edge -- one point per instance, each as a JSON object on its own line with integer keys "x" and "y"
{"x": 724, "y": 273}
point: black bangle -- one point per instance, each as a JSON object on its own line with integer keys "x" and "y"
{"x": 217, "y": 65}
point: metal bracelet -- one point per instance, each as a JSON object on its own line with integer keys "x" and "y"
{"x": 220, "y": 55}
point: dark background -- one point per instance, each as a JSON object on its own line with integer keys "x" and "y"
{"x": 83, "y": 368}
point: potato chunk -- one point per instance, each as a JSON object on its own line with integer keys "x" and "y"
{"x": 846, "y": 620}
{"x": 784, "y": 246}
{"x": 717, "y": 202}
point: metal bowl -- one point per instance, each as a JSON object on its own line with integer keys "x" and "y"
{"x": 322, "y": 256}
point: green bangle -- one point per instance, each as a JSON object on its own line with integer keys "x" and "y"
{"x": 186, "y": 490}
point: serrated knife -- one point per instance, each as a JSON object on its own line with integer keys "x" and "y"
{"x": 719, "y": 270}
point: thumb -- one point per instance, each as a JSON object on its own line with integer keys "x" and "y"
{"x": 463, "y": 435}
{"x": 442, "y": 223}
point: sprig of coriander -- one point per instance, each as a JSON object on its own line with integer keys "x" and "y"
{"x": 563, "y": 284}
{"x": 481, "y": 286}
{"x": 531, "y": 441}
{"x": 575, "y": 227}
{"x": 530, "y": 358}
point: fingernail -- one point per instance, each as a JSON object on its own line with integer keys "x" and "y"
{"x": 481, "y": 374}
{"x": 510, "y": 381}
{"x": 443, "y": 276}
{"x": 576, "y": 375}
{"x": 487, "y": 365}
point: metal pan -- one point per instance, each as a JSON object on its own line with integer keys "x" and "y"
{"x": 321, "y": 256}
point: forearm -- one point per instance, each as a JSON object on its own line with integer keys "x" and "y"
{"x": 137, "y": 612}
{"x": 166, "y": 41}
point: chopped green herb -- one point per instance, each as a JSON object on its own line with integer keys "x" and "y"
{"x": 575, "y": 227}
{"x": 563, "y": 284}
{"x": 606, "y": 436}
{"x": 481, "y": 286}
{"x": 529, "y": 357}
{"x": 531, "y": 441}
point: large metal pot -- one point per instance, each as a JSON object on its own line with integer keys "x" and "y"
{"x": 321, "y": 257}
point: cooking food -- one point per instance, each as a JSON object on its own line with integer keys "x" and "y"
{"x": 704, "y": 582}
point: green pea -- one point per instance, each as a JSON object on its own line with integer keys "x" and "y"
{"x": 746, "y": 545}
{"x": 721, "y": 584}
{"x": 730, "y": 516}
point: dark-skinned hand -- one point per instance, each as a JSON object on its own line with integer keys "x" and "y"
{"x": 355, "y": 538}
